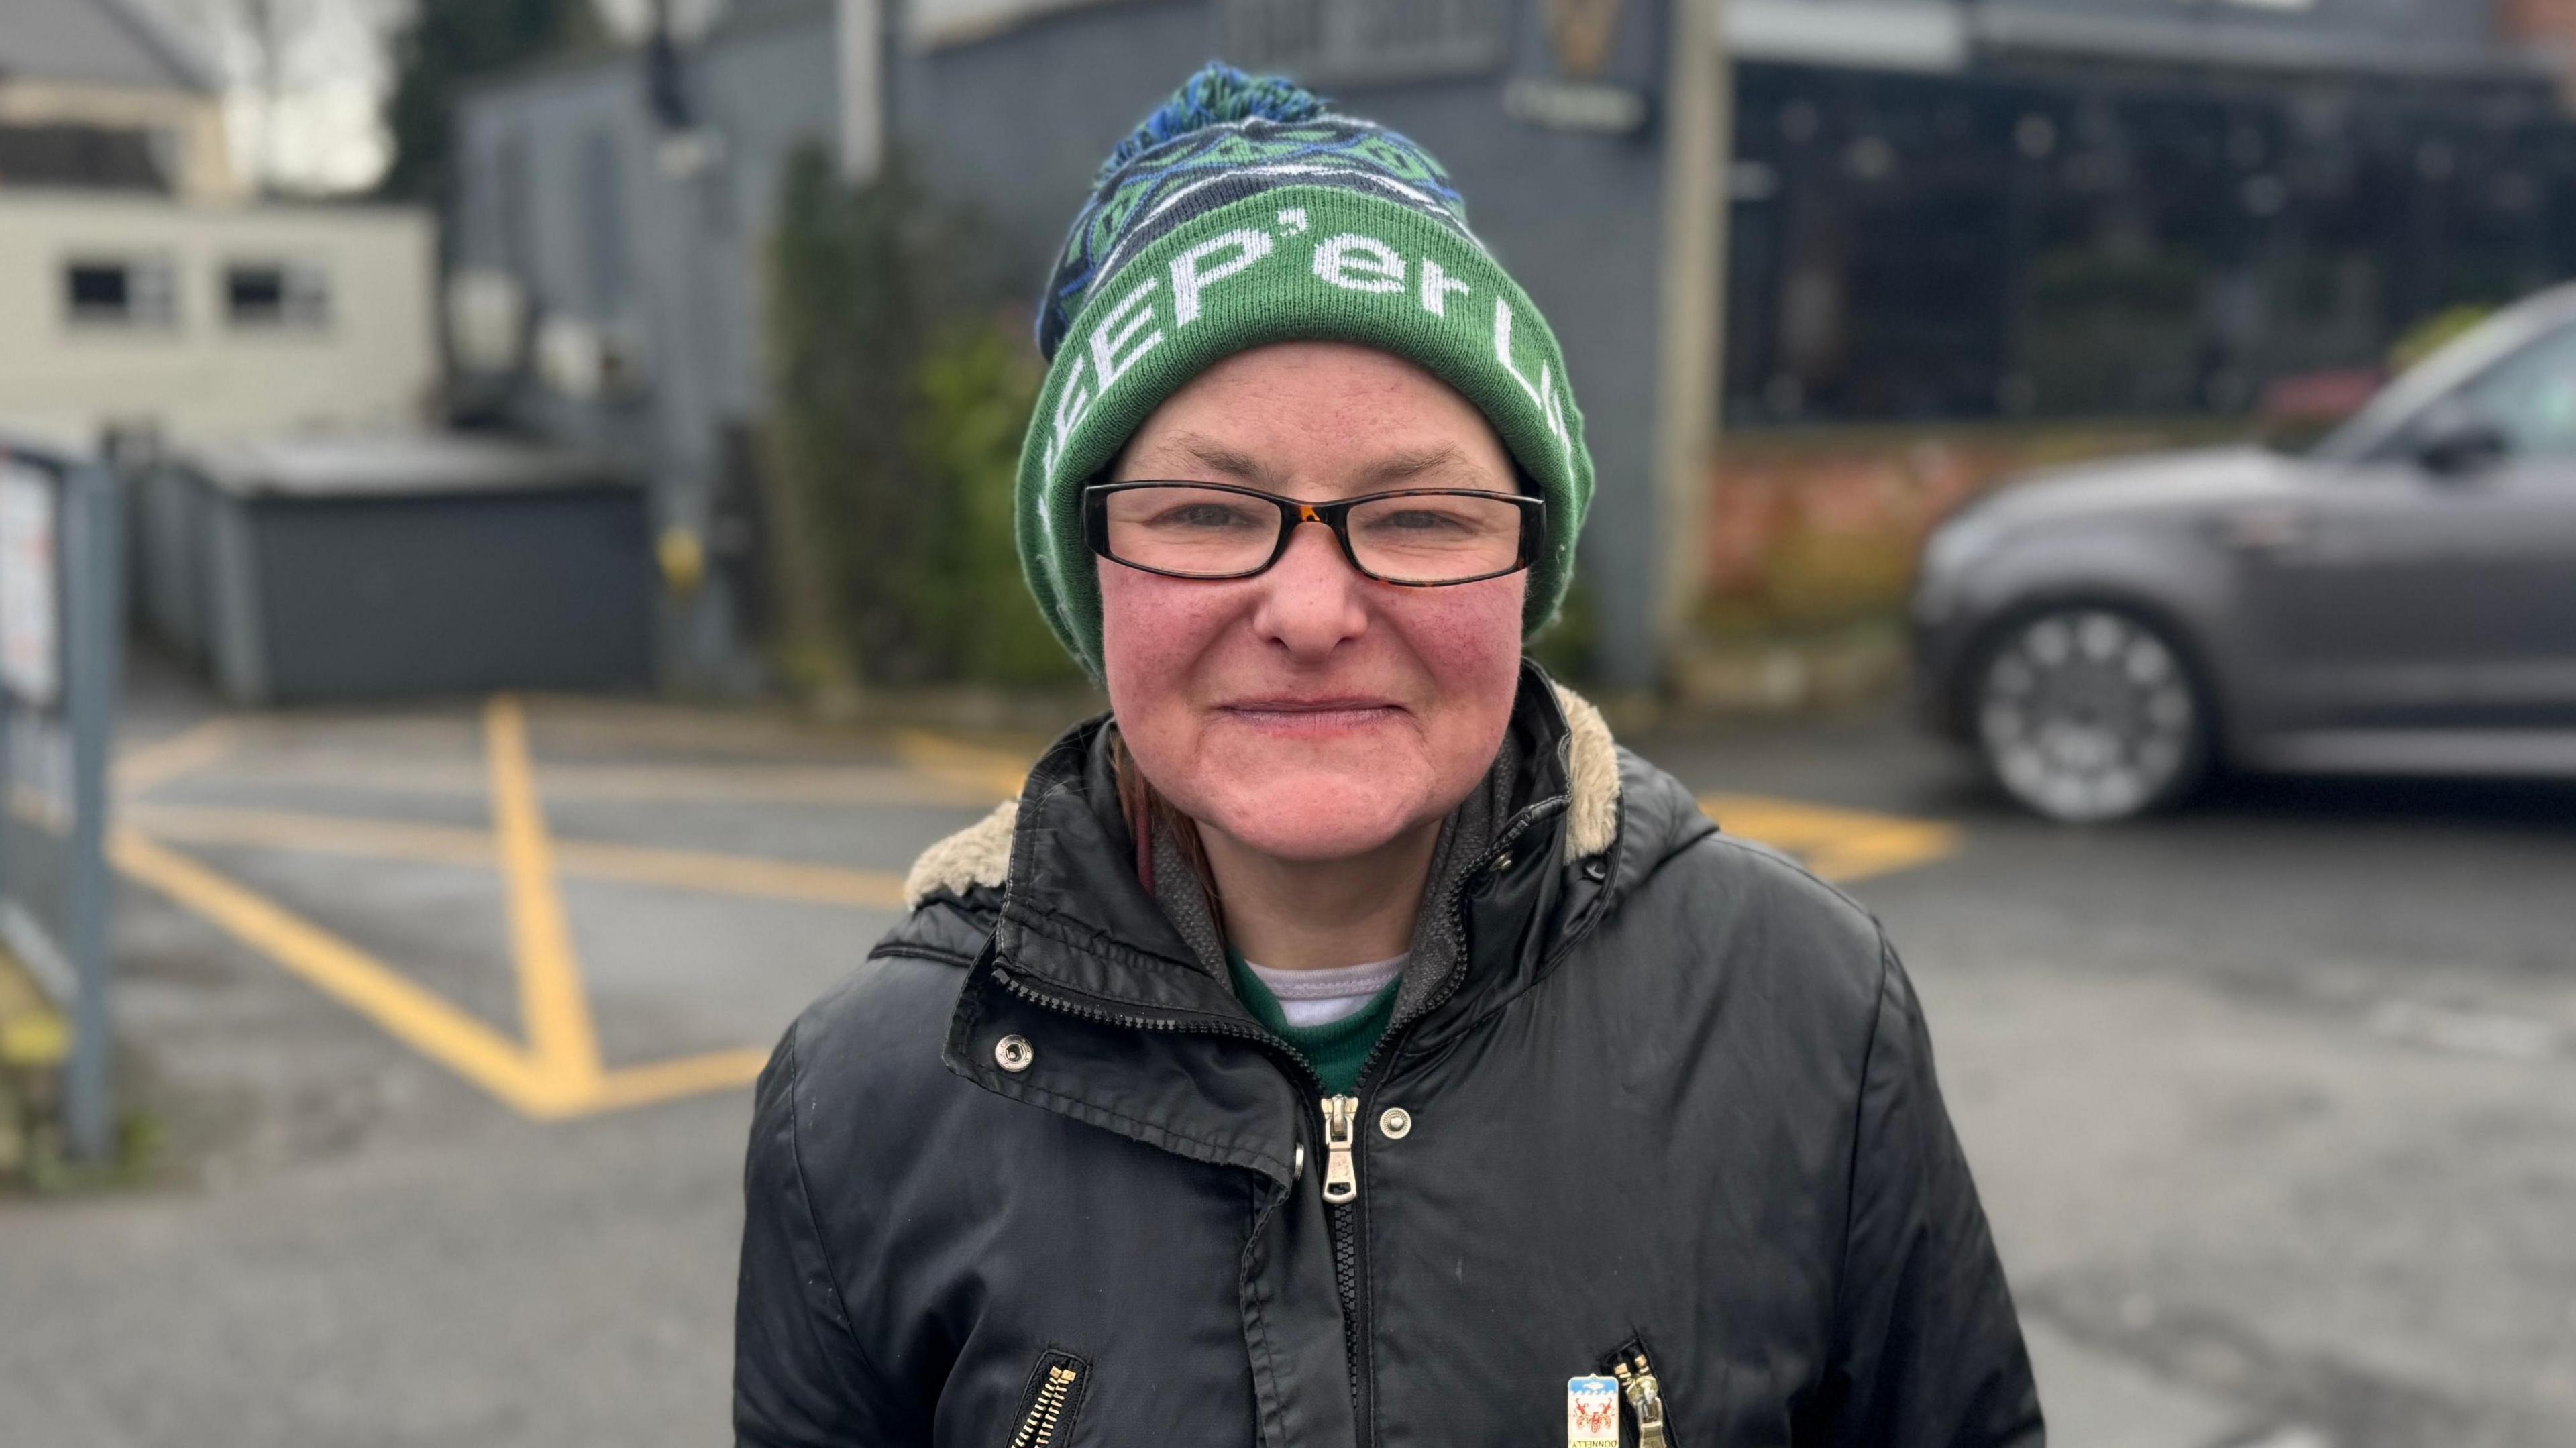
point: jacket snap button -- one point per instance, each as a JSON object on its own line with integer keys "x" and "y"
{"x": 1299, "y": 1168}
{"x": 1014, "y": 1053}
{"x": 1397, "y": 1123}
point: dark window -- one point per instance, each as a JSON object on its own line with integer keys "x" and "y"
{"x": 2531, "y": 397}
{"x": 275, "y": 294}
{"x": 135, "y": 292}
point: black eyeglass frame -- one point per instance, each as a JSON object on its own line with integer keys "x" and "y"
{"x": 1294, "y": 512}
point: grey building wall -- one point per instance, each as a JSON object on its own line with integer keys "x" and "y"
{"x": 568, "y": 182}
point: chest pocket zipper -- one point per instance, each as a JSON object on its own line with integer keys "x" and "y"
{"x": 1643, "y": 1390}
{"x": 1054, "y": 1394}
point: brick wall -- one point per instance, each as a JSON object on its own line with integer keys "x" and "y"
{"x": 2544, "y": 20}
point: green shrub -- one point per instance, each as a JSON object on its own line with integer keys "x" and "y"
{"x": 899, "y": 391}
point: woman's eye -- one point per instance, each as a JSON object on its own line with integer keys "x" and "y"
{"x": 1420, "y": 520}
{"x": 1202, "y": 516}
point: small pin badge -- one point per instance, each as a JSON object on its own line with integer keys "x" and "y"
{"x": 1591, "y": 1413}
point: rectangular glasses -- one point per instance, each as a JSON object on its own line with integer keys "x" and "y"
{"x": 1422, "y": 537}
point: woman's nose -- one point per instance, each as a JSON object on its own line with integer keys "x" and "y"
{"x": 1311, "y": 599}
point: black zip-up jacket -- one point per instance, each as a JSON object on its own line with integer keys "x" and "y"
{"x": 1034, "y": 1178}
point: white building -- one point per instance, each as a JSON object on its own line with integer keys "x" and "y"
{"x": 140, "y": 283}
{"x": 210, "y": 320}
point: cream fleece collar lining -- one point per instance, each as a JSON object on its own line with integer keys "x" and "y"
{"x": 980, "y": 854}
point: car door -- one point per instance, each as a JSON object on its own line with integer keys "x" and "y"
{"x": 2388, "y": 592}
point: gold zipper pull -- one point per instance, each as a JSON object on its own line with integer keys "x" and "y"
{"x": 1037, "y": 1429}
{"x": 1645, "y": 1397}
{"x": 1341, "y": 1130}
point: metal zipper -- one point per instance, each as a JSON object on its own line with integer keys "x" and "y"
{"x": 1645, "y": 1395}
{"x": 1195, "y": 1025}
{"x": 1037, "y": 1429}
{"x": 1341, "y": 1127}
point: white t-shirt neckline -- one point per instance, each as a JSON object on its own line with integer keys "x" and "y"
{"x": 1321, "y": 997}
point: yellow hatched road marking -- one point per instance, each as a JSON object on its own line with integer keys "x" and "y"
{"x": 553, "y": 1007}
{"x": 556, "y": 1072}
{"x": 417, "y": 1017}
{"x": 994, "y": 772}
{"x": 527, "y": 1081}
{"x": 185, "y": 752}
{"x": 667, "y": 1080}
{"x": 790, "y": 880}
{"x": 1841, "y": 845}
{"x": 719, "y": 784}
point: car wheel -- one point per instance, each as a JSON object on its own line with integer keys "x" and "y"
{"x": 2088, "y": 714}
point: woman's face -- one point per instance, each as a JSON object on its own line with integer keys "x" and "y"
{"x": 1308, "y": 712}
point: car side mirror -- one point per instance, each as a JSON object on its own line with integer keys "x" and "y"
{"x": 2454, "y": 440}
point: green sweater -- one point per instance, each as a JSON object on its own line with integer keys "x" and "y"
{"x": 1337, "y": 1049}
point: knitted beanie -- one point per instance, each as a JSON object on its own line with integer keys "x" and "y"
{"x": 1241, "y": 213}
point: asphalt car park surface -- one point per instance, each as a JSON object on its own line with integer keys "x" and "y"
{"x": 448, "y": 1014}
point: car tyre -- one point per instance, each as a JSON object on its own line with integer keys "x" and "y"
{"x": 2086, "y": 713}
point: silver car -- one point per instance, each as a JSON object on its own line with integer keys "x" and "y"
{"x": 2399, "y": 598}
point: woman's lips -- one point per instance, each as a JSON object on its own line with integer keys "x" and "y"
{"x": 1310, "y": 716}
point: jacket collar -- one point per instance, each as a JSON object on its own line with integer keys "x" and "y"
{"x": 1049, "y": 876}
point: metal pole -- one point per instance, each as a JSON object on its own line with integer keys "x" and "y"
{"x": 1699, "y": 149}
{"x": 93, "y": 601}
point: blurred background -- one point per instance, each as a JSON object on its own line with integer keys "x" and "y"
{"x": 505, "y": 558}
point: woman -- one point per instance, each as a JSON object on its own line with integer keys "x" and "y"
{"x": 1343, "y": 1041}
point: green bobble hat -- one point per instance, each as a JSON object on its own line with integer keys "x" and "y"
{"x": 1242, "y": 213}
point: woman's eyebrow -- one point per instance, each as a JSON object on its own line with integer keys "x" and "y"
{"x": 1404, "y": 467}
{"x": 1225, "y": 461}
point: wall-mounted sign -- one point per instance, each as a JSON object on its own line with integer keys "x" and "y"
{"x": 1579, "y": 32}
{"x": 1574, "y": 105}
{"x": 1579, "y": 36}
{"x": 31, "y": 634}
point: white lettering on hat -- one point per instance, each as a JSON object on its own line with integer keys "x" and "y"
{"x": 1189, "y": 279}
{"x": 1069, "y": 410}
{"x": 1110, "y": 335}
{"x": 1360, "y": 264}
{"x": 1436, "y": 284}
{"x": 1542, "y": 393}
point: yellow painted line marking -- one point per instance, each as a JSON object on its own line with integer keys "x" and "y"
{"x": 553, "y": 1008}
{"x": 732, "y": 874}
{"x": 824, "y": 785}
{"x": 404, "y": 1010}
{"x": 996, "y": 773}
{"x": 185, "y": 752}
{"x": 745, "y": 875}
{"x": 557, "y": 1072}
{"x": 1838, "y": 844}
{"x": 33, "y": 1035}
{"x": 689, "y": 1076}
{"x": 524, "y": 1080}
